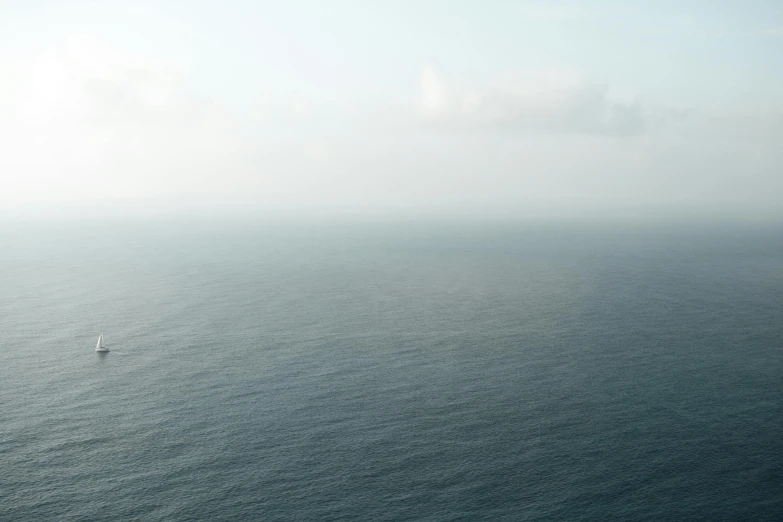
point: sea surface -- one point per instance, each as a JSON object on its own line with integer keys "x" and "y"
{"x": 389, "y": 372}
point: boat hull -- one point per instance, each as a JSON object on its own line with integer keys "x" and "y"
{"x": 102, "y": 350}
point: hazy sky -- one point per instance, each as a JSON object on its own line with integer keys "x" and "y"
{"x": 493, "y": 108}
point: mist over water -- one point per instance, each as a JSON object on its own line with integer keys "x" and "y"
{"x": 347, "y": 371}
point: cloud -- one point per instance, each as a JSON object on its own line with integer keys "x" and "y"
{"x": 432, "y": 88}
{"x": 548, "y": 101}
{"x": 87, "y": 121}
{"x": 772, "y": 32}
{"x": 84, "y": 82}
{"x": 301, "y": 108}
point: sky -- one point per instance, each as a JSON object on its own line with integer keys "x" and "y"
{"x": 499, "y": 109}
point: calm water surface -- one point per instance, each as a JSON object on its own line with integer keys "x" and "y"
{"x": 390, "y": 373}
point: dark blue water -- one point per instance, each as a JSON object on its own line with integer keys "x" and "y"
{"x": 390, "y": 373}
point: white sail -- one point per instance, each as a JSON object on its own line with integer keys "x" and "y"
{"x": 101, "y": 345}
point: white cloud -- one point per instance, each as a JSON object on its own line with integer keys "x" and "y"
{"x": 542, "y": 101}
{"x": 432, "y": 90}
{"x": 301, "y": 108}
{"x": 86, "y": 121}
{"x": 772, "y": 32}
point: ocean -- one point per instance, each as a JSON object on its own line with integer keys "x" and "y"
{"x": 388, "y": 372}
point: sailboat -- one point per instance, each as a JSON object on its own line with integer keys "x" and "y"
{"x": 101, "y": 346}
